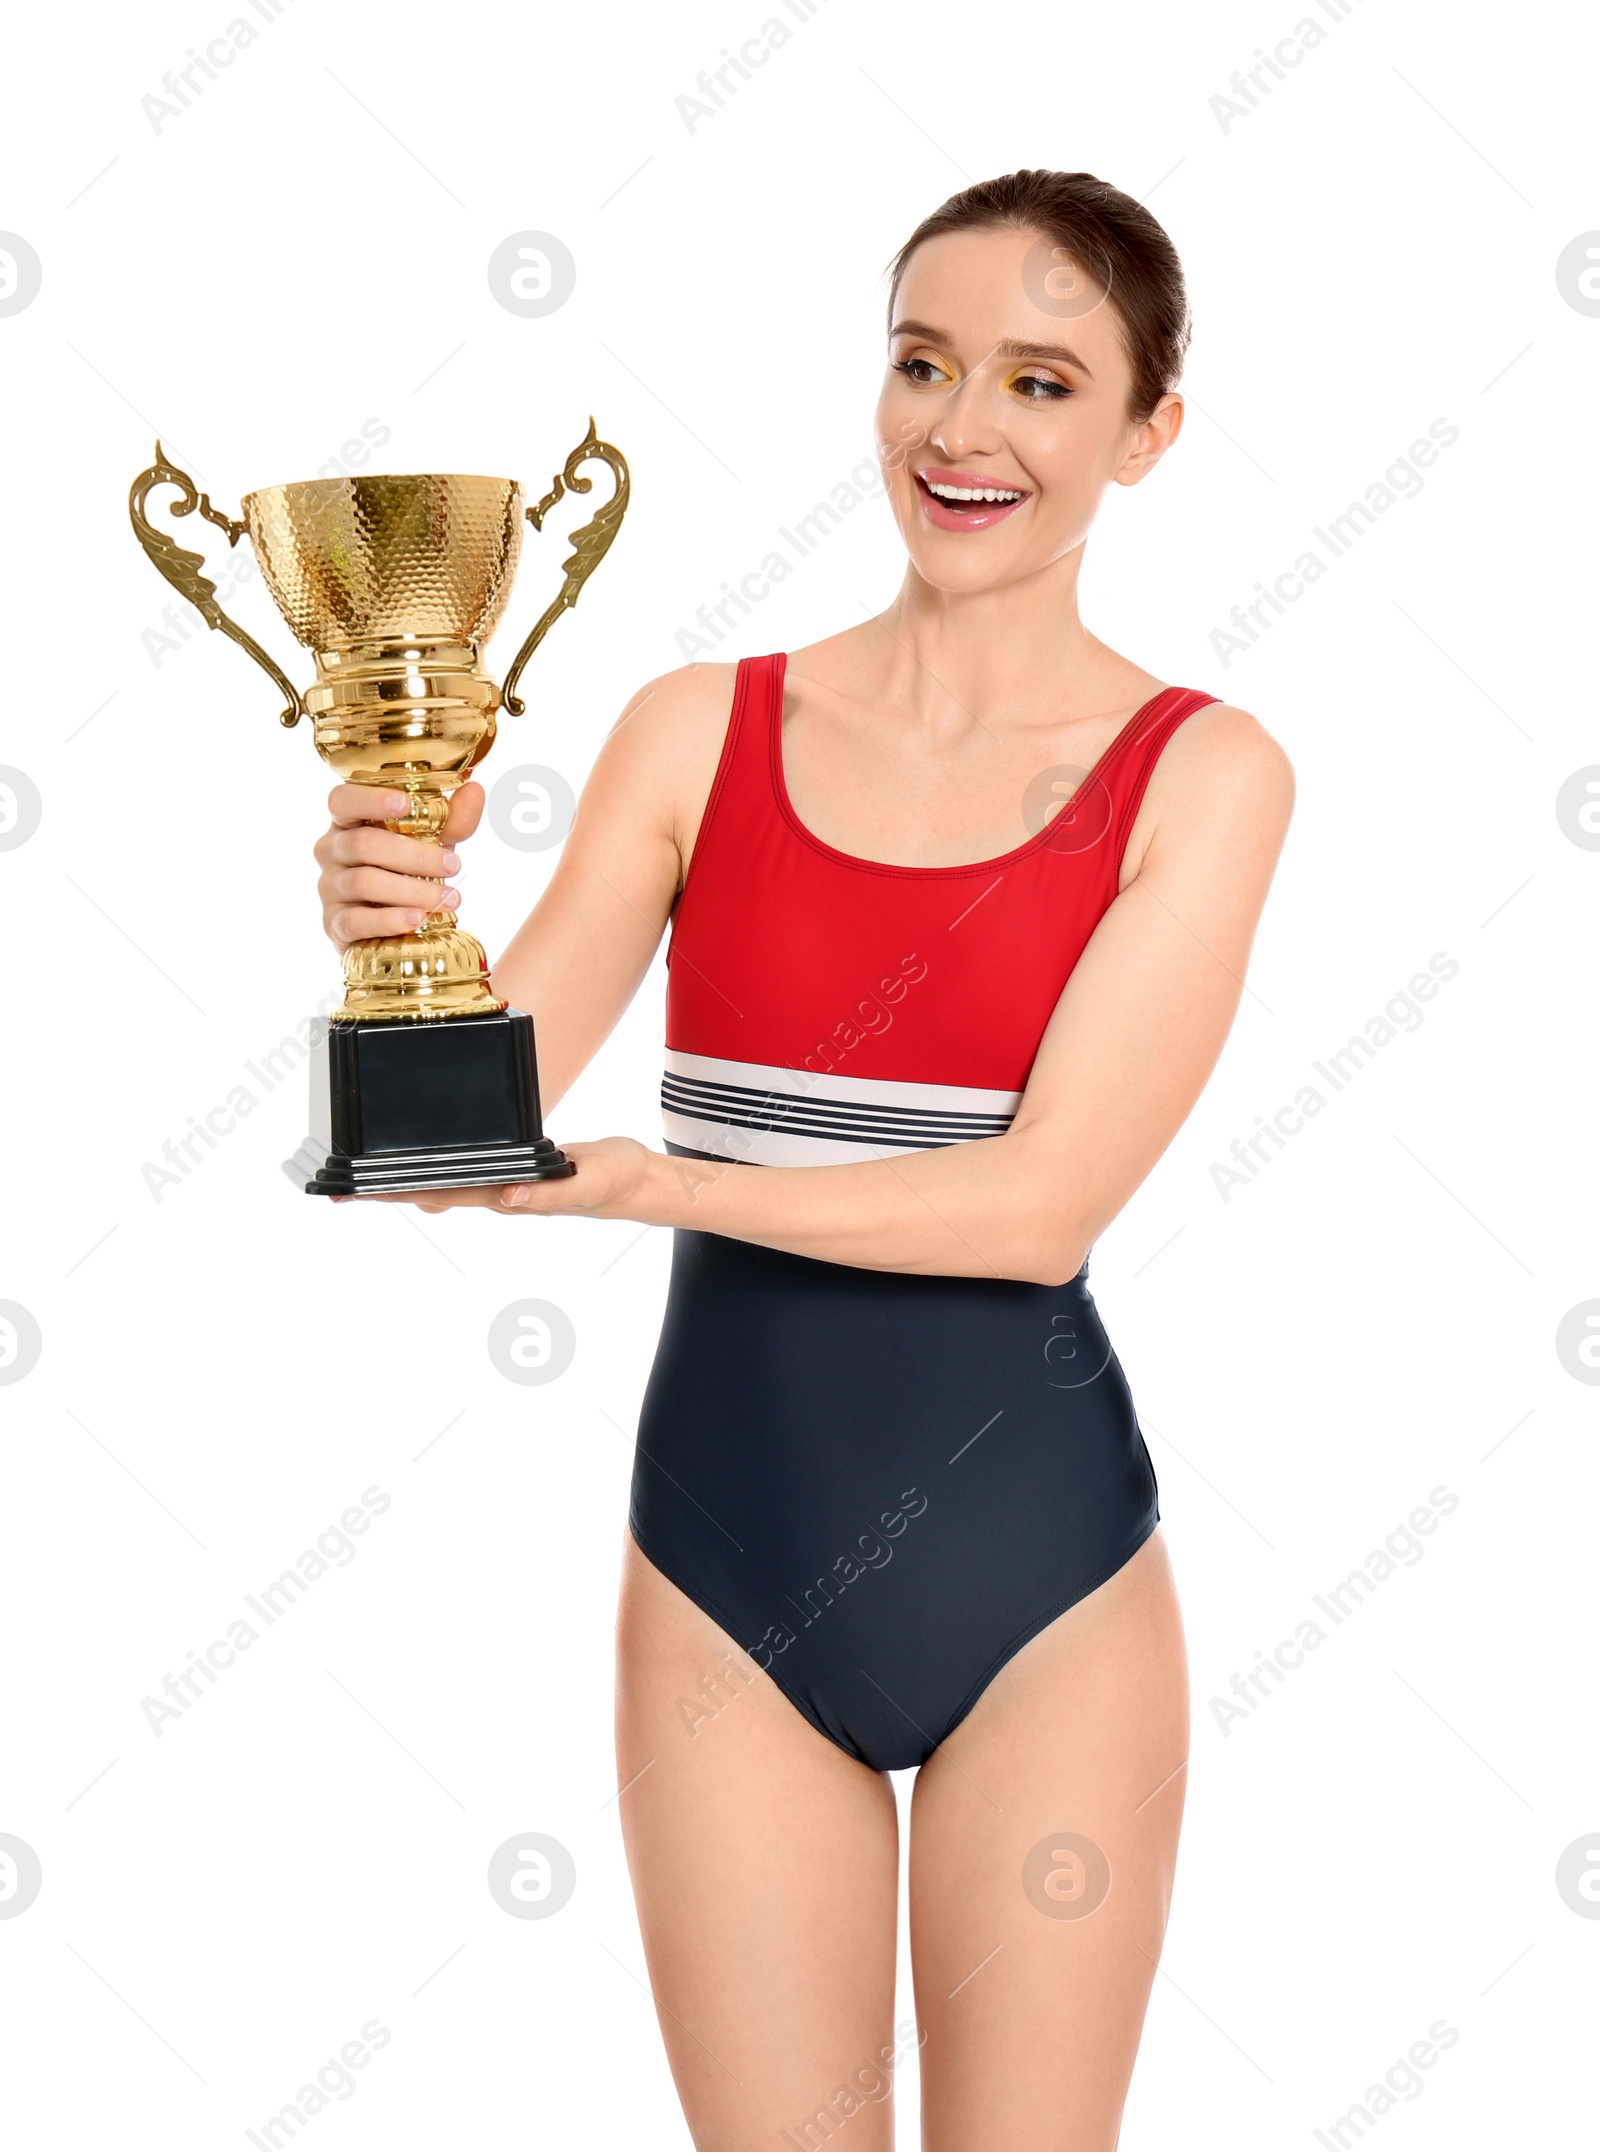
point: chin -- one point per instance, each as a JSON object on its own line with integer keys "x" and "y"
{"x": 971, "y": 585}
{"x": 965, "y": 566}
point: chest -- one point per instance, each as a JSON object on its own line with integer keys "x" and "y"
{"x": 887, "y": 794}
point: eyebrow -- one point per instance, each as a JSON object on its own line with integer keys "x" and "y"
{"x": 1008, "y": 346}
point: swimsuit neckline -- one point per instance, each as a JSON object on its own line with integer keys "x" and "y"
{"x": 1034, "y": 843}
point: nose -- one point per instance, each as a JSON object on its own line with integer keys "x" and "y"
{"x": 967, "y": 423}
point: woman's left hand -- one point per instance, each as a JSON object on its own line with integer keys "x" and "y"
{"x": 611, "y": 1182}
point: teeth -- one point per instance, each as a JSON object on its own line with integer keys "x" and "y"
{"x": 971, "y": 493}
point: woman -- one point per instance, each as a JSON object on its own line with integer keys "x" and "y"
{"x": 961, "y": 905}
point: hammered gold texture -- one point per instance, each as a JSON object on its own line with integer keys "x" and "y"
{"x": 352, "y": 561}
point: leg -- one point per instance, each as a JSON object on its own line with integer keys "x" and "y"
{"x": 765, "y": 1866}
{"x": 1030, "y": 2005}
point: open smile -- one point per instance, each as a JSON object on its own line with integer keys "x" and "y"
{"x": 966, "y": 500}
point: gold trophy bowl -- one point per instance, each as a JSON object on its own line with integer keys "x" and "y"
{"x": 394, "y": 584}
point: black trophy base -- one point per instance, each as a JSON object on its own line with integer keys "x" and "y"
{"x": 448, "y": 1102}
{"x": 395, "y": 1175}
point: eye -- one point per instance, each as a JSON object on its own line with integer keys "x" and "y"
{"x": 1039, "y": 388}
{"x": 922, "y": 371}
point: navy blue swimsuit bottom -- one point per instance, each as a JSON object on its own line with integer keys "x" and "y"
{"x": 881, "y": 1485}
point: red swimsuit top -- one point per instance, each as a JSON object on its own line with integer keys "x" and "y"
{"x": 823, "y": 1009}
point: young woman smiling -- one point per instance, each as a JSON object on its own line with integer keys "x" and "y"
{"x": 961, "y": 905}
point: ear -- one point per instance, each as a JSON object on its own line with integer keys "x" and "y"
{"x": 1152, "y": 440}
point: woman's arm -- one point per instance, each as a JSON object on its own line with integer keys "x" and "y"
{"x": 577, "y": 961}
{"x": 1123, "y": 1060}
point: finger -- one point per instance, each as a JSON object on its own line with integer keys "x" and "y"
{"x": 350, "y": 804}
{"x": 542, "y": 1199}
{"x": 372, "y": 885}
{"x": 429, "y": 1199}
{"x": 349, "y": 923}
{"x": 366, "y": 846}
{"x": 466, "y": 812}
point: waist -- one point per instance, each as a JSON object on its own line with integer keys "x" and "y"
{"x": 751, "y": 1274}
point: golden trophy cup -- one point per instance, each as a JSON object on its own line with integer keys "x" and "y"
{"x": 395, "y": 583}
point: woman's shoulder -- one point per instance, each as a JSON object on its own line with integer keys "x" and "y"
{"x": 665, "y": 746}
{"x": 677, "y": 712}
{"x": 1229, "y": 737}
{"x": 1222, "y": 759}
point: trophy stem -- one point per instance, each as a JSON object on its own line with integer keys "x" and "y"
{"x": 430, "y": 806}
{"x": 411, "y": 716}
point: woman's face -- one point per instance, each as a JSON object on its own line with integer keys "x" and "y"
{"x": 1006, "y": 376}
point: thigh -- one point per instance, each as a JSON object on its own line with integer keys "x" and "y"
{"x": 765, "y": 1868}
{"x": 1044, "y": 1835}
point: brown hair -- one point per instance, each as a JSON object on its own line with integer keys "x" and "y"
{"x": 1111, "y": 237}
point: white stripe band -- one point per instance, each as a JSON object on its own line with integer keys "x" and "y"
{"x": 764, "y": 1115}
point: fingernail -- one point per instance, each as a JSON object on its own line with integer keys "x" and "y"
{"x": 397, "y": 805}
{"x": 450, "y": 863}
{"x": 414, "y": 919}
{"x": 450, "y": 898}
{"x": 515, "y": 1196}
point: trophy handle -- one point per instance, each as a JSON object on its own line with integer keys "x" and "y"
{"x": 185, "y": 571}
{"x": 590, "y": 545}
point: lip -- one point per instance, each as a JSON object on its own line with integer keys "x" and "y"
{"x": 969, "y": 519}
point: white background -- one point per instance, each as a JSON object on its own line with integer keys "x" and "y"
{"x": 225, "y": 1369}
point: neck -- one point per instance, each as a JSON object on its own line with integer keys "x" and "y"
{"x": 990, "y": 651}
